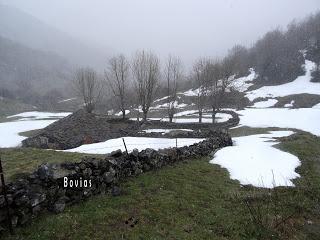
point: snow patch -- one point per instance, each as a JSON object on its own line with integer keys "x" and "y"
{"x": 9, "y": 131}
{"x": 184, "y": 113}
{"x": 139, "y": 143}
{"x": 265, "y": 104}
{"x": 300, "y": 85}
{"x": 242, "y": 84}
{"x": 289, "y": 104}
{"x": 67, "y": 100}
{"x": 40, "y": 115}
{"x": 306, "y": 119}
{"x": 254, "y": 160}
{"x": 120, "y": 113}
{"x": 163, "y": 131}
{"x": 316, "y": 106}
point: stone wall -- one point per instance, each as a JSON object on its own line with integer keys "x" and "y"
{"x": 44, "y": 189}
{"x": 232, "y": 122}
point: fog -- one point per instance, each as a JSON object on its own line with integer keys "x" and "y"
{"x": 188, "y": 28}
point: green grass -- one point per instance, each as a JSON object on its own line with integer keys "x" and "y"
{"x": 19, "y": 161}
{"x": 194, "y": 200}
{"x": 246, "y": 131}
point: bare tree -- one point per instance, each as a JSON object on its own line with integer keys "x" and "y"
{"x": 173, "y": 74}
{"x": 88, "y": 87}
{"x": 199, "y": 75}
{"x": 117, "y": 77}
{"x": 216, "y": 86}
{"x": 146, "y": 70}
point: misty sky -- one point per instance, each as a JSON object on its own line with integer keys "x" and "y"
{"x": 188, "y": 28}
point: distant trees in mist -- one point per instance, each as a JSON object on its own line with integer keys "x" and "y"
{"x": 146, "y": 73}
{"x": 173, "y": 75}
{"x": 117, "y": 77}
{"x": 88, "y": 87}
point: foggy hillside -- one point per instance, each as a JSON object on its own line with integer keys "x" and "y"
{"x": 27, "y": 73}
{"x": 23, "y": 28}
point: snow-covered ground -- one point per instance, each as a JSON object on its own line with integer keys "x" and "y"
{"x": 185, "y": 113}
{"x": 300, "y": 85}
{"x": 254, "y": 160}
{"x": 163, "y": 131}
{"x": 139, "y": 143}
{"x": 243, "y": 83}
{"x": 289, "y": 104}
{"x": 165, "y": 106}
{"x": 306, "y": 119}
{"x": 120, "y": 113}
{"x": 191, "y": 92}
{"x": 39, "y": 115}
{"x": 265, "y": 104}
{"x": 316, "y": 106}
{"x": 9, "y": 131}
{"x": 67, "y": 100}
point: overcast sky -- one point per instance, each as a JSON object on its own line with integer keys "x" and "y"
{"x": 188, "y": 28}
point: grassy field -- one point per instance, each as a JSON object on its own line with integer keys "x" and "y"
{"x": 191, "y": 200}
{"x": 20, "y": 161}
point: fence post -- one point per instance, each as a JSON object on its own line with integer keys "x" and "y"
{"x": 125, "y": 146}
{"x": 4, "y": 190}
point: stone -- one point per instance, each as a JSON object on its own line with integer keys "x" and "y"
{"x": 82, "y": 166}
{"x": 116, "y": 153}
{"x": 22, "y": 200}
{"x": 115, "y": 191}
{"x": 59, "y": 206}
{"x": 36, "y": 199}
{"x": 109, "y": 176}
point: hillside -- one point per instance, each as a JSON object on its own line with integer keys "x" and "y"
{"x": 25, "y": 29}
{"x": 32, "y": 76}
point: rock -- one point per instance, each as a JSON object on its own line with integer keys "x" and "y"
{"x": 43, "y": 171}
{"x": 213, "y": 153}
{"x": 36, "y": 198}
{"x": 115, "y": 191}
{"x": 14, "y": 220}
{"x": 22, "y": 200}
{"x": 59, "y": 206}
{"x": 24, "y": 217}
{"x": 53, "y": 171}
{"x": 116, "y": 153}
{"x": 2, "y": 201}
{"x": 109, "y": 176}
{"x": 82, "y": 166}
{"x": 135, "y": 152}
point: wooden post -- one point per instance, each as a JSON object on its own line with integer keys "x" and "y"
{"x": 125, "y": 146}
{"x": 4, "y": 190}
{"x": 176, "y": 142}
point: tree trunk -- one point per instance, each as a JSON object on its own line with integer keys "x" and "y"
{"x": 170, "y": 117}
{"x": 200, "y": 116}
{"x": 123, "y": 114}
{"x": 213, "y": 116}
{"x": 145, "y": 116}
{"x": 171, "y": 114}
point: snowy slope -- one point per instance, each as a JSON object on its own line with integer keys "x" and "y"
{"x": 306, "y": 119}
{"x": 300, "y": 85}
